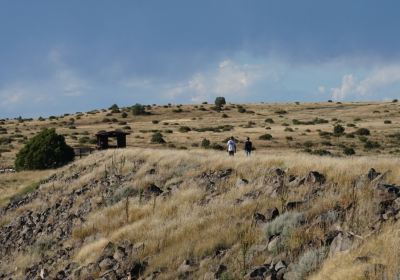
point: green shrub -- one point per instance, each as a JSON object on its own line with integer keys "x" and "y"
{"x": 265, "y": 137}
{"x": 387, "y": 121}
{"x": 362, "y": 131}
{"x": 280, "y": 112}
{"x": 371, "y": 145}
{"x": 205, "y": 143}
{"x": 138, "y": 110}
{"x": 184, "y": 129}
{"x": 269, "y": 120}
{"x": 155, "y": 121}
{"x": 338, "y": 130}
{"x": 216, "y": 146}
{"x": 348, "y": 151}
{"x": 45, "y": 150}
{"x": 308, "y": 144}
{"x": 124, "y": 115}
{"x": 157, "y": 138}
{"x": 241, "y": 110}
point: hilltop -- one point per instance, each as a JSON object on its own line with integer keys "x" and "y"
{"x": 167, "y": 214}
{"x": 282, "y": 127}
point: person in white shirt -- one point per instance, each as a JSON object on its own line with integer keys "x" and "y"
{"x": 231, "y": 146}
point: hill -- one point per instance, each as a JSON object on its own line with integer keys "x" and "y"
{"x": 292, "y": 127}
{"x": 168, "y": 214}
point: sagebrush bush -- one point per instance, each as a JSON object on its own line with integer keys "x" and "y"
{"x": 310, "y": 261}
{"x": 45, "y": 150}
{"x": 283, "y": 224}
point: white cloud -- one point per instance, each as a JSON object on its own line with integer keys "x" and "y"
{"x": 348, "y": 85}
{"x": 371, "y": 84}
{"x": 229, "y": 78}
{"x": 321, "y": 89}
{"x": 380, "y": 78}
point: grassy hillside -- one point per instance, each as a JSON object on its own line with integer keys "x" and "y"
{"x": 199, "y": 214}
{"x": 294, "y": 127}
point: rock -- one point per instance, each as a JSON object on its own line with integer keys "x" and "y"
{"x": 271, "y": 214}
{"x": 259, "y": 272}
{"x": 279, "y": 172}
{"x": 221, "y": 269}
{"x": 119, "y": 254}
{"x": 242, "y": 182}
{"x": 258, "y": 217}
{"x": 107, "y": 263}
{"x": 108, "y": 250}
{"x": 273, "y": 243}
{"x": 330, "y": 236}
{"x": 60, "y": 275}
{"x": 314, "y": 177}
{"x": 137, "y": 269}
{"x": 386, "y": 192}
{"x": 362, "y": 259}
{"x": 280, "y": 274}
{"x": 342, "y": 242}
{"x": 372, "y": 174}
{"x": 292, "y": 205}
{"x": 280, "y": 265}
{"x": 153, "y": 189}
{"x": 186, "y": 267}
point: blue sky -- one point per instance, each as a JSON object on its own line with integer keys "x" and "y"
{"x": 68, "y": 56}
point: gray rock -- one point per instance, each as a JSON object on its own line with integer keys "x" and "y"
{"x": 340, "y": 243}
{"x": 314, "y": 177}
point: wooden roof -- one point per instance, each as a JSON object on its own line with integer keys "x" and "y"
{"x": 112, "y": 133}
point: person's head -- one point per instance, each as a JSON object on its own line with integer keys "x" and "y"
{"x": 248, "y": 138}
{"x": 232, "y": 138}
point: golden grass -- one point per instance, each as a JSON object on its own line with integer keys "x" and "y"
{"x": 180, "y": 227}
{"x": 381, "y": 249}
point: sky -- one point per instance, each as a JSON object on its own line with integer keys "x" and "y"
{"x": 69, "y": 56}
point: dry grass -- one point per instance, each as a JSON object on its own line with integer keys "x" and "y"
{"x": 181, "y": 226}
{"x": 382, "y": 249}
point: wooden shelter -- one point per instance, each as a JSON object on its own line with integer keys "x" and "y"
{"x": 102, "y": 139}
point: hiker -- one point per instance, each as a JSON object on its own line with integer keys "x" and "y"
{"x": 231, "y": 146}
{"x": 248, "y": 146}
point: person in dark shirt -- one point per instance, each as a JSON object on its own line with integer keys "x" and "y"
{"x": 248, "y": 146}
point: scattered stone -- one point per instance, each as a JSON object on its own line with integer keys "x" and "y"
{"x": 153, "y": 189}
{"x": 342, "y": 242}
{"x": 271, "y": 214}
{"x": 314, "y": 177}
{"x": 292, "y": 205}
{"x": 259, "y": 272}
{"x": 221, "y": 269}
{"x": 258, "y": 217}
{"x": 273, "y": 243}
{"x": 279, "y": 172}
{"x": 372, "y": 174}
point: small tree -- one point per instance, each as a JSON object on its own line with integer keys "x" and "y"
{"x": 338, "y": 130}
{"x": 45, "y": 150}
{"x": 219, "y": 101}
{"x": 138, "y": 109}
{"x": 205, "y": 143}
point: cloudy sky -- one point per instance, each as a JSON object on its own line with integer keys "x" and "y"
{"x": 68, "y": 56}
